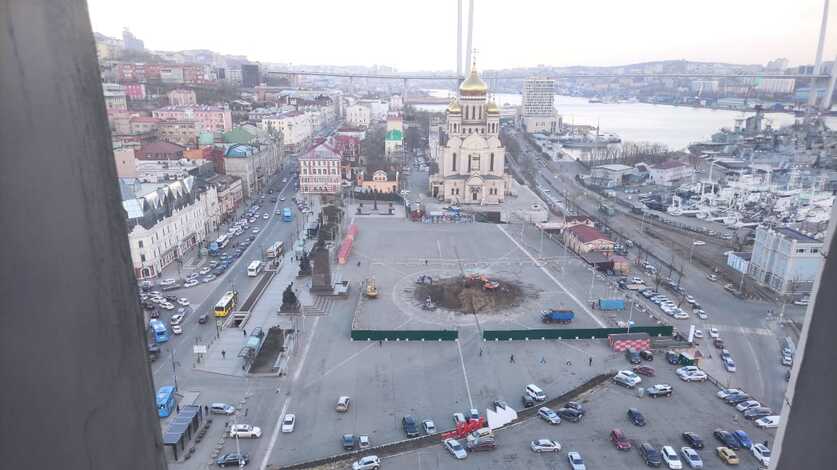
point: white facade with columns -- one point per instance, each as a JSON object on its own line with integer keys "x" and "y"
{"x": 472, "y": 165}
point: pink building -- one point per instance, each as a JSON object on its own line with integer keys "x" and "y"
{"x": 208, "y": 118}
{"x": 135, "y": 91}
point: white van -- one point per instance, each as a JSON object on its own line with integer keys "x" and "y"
{"x": 535, "y": 392}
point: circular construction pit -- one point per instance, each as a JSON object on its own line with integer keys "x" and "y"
{"x": 472, "y": 293}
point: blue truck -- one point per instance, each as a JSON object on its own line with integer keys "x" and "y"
{"x": 611, "y": 304}
{"x": 557, "y": 316}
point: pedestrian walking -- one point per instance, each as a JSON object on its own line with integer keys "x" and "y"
{"x": 569, "y": 363}
{"x": 543, "y": 360}
{"x": 223, "y": 354}
{"x": 425, "y": 262}
{"x": 244, "y": 331}
{"x": 206, "y": 409}
{"x": 511, "y": 358}
{"x": 590, "y": 362}
{"x": 177, "y": 407}
{"x": 381, "y": 343}
{"x": 480, "y": 352}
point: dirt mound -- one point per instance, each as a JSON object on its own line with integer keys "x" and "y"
{"x": 468, "y": 295}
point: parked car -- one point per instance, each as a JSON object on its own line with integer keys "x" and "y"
{"x": 473, "y": 414}
{"x": 348, "y": 441}
{"x": 363, "y": 442}
{"x": 694, "y": 441}
{"x": 729, "y": 364}
{"x": 768, "y": 422}
{"x": 370, "y": 462}
{"x": 632, "y": 355}
{"x": 743, "y": 439}
{"x": 671, "y": 459}
{"x": 232, "y": 459}
{"x": 646, "y": 355}
{"x": 747, "y": 404}
{"x": 650, "y": 455}
{"x": 289, "y": 422}
{"x": 727, "y": 455}
{"x": 545, "y": 445}
{"x": 221, "y": 409}
{"x": 757, "y": 412}
{"x": 627, "y": 378}
{"x": 691, "y": 457}
{"x": 459, "y": 418}
{"x": 761, "y": 453}
{"x": 343, "y": 404}
{"x": 726, "y": 438}
{"x": 527, "y": 401}
{"x": 619, "y": 440}
{"x": 191, "y": 283}
{"x": 636, "y": 417}
{"x": 429, "y": 426}
{"x": 659, "y": 390}
{"x": 455, "y": 448}
{"x": 245, "y": 431}
{"x": 549, "y": 415}
{"x": 576, "y": 461}
{"x": 570, "y": 414}
{"x": 647, "y": 371}
{"x": 737, "y": 398}
{"x": 408, "y": 423}
{"x": 725, "y": 392}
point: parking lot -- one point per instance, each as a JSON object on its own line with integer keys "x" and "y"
{"x": 693, "y": 407}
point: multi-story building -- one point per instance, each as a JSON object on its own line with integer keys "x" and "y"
{"x": 539, "y": 105}
{"x": 164, "y": 224}
{"x": 669, "y": 172}
{"x": 379, "y": 181}
{"x": 143, "y": 125}
{"x": 230, "y": 194}
{"x": 182, "y": 132}
{"x": 134, "y": 91}
{"x": 785, "y": 260}
{"x": 182, "y": 97}
{"x": 584, "y": 239}
{"x": 250, "y": 75}
{"x": 319, "y": 171}
{"x": 358, "y": 116}
{"x": 253, "y": 164}
{"x": 472, "y": 169}
{"x": 295, "y": 127}
{"x": 115, "y": 97}
{"x": 784, "y": 86}
{"x": 160, "y": 151}
{"x": 349, "y": 149}
{"x": 208, "y": 118}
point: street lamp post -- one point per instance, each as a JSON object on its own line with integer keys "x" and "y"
{"x": 174, "y": 368}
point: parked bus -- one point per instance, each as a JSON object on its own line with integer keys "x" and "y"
{"x": 287, "y": 215}
{"x": 161, "y": 334}
{"x": 165, "y": 401}
{"x": 275, "y": 250}
{"x": 254, "y": 269}
{"x": 226, "y": 304}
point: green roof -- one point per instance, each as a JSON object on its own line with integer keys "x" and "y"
{"x": 238, "y": 136}
{"x": 206, "y": 138}
{"x": 394, "y": 134}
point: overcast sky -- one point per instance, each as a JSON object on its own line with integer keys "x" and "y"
{"x": 421, "y": 35}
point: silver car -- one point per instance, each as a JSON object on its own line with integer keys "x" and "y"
{"x": 455, "y": 448}
{"x": 545, "y": 445}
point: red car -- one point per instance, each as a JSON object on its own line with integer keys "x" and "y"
{"x": 619, "y": 440}
{"x": 645, "y": 370}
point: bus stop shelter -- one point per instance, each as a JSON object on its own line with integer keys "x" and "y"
{"x": 181, "y": 430}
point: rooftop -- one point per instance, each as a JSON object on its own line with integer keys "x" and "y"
{"x": 668, "y": 164}
{"x": 796, "y": 235}
{"x": 586, "y": 234}
{"x": 615, "y": 167}
{"x": 322, "y": 152}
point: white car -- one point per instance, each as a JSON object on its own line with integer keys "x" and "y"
{"x": 545, "y": 445}
{"x": 429, "y": 426}
{"x": 701, "y": 314}
{"x": 177, "y": 329}
{"x": 289, "y": 422}
{"x": 370, "y": 462}
{"x": 747, "y": 404}
{"x": 549, "y": 415}
{"x": 691, "y": 457}
{"x": 761, "y": 453}
{"x": 690, "y": 299}
{"x": 698, "y": 243}
{"x": 265, "y": 216}
{"x": 729, "y": 364}
{"x": 245, "y": 431}
{"x": 576, "y": 461}
{"x": 691, "y": 374}
{"x": 455, "y": 448}
{"x": 698, "y": 334}
{"x": 167, "y": 306}
{"x": 713, "y": 333}
{"x": 768, "y": 422}
{"x": 725, "y": 392}
{"x": 459, "y": 418}
{"x": 254, "y": 231}
{"x": 167, "y": 282}
{"x": 681, "y": 315}
{"x": 183, "y": 302}
{"x": 176, "y": 319}
{"x": 191, "y": 283}
{"x": 671, "y": 459}
{"x": 627, "y": 378}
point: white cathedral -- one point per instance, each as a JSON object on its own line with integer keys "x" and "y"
{"x": 472, "y": 166}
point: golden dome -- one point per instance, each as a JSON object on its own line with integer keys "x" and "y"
{"x": 491, "y": 108}
{"x": 454, "y": 106}
{"x": 473, "y": 85}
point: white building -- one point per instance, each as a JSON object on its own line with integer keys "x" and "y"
{"x": 669, "y": 172}
{"x": 472, "y": 166}
{"x": 538, "y": 106}
{"x": 776, "y": 85}
{"x": 319, "y": 171}
{"x": 358, "y": 116}
{"x": 295, "y": 127}
{"x": 785, "y": 260}
{"x": 165, "y": 224}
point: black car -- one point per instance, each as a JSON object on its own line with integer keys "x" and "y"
{"x": 232, "y": 459}
{"x": 575, "y": 405}
{"x": 651, "y": 455}
{"x": 153, "y": 352}
{"x": 646, "y": 355}
{"x": 632, "y": 355}
{"x": 726, "y": 438}
{"x": 527, "y": 401}
{"x": 500, "y": 404}
{"x": 203, "y": 318}
{"x": 757, "y": 412}
{"x": 694, "y": 441}
{"x": 736, "y": 398}
{"x": 570, "y": 414}
{"x": 636, "y": 417}
{"x": 348, "y": 441}
{"x": 410, "y": 426}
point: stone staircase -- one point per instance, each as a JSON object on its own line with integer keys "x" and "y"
{"x": 321, "y": 306}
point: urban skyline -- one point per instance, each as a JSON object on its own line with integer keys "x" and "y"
{"x": 713, "y": 34}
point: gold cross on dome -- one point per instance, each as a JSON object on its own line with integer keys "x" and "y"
{"x": 474, "y": 61}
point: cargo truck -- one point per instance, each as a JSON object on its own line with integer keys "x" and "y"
{"x": 557, "y": 316}
{"x": 611, "y": 304}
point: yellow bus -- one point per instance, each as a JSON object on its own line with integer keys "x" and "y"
{"x": 226, "y": 304}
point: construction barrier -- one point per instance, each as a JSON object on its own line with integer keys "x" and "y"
{"x": 571, "y": 333}
{"x": 404, "y": 335}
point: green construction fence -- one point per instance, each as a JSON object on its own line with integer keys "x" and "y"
{"x": 573, "y": 333}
